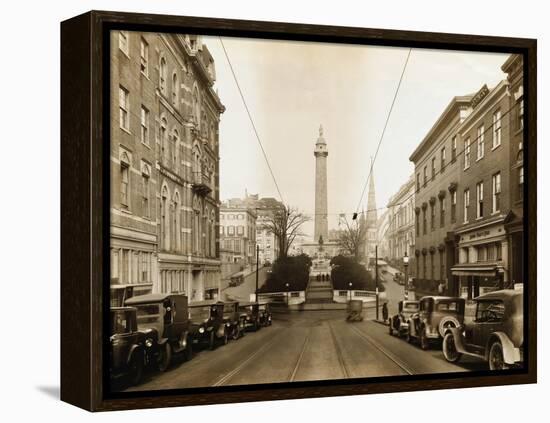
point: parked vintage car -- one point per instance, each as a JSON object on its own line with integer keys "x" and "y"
{"x": 234, "y": 322}
{"x": 354, "y": 311}
{"x": 435, "y": 315}
{"x": 163, "y": 318}
{"x": 251, "y": 314}
{"x": 496, "y": 333}
{"x": 207, "y": 323}
{"x": 128, "y": 353}
{"x": 265, "y": 316}
{"x": 399, "y": 323}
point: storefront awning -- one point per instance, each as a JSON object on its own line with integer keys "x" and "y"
{"x": 486, "y": 271}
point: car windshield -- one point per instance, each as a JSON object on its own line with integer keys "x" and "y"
{"x": 248, "y": 309}
{"x": 148, "y": 315}
{"x": 263, "y": 307}
{"x": 411, "y": 307}
{"x": 120, "y": 322}
{"x": 490, "y": 311}
{"x": 199, "y": 313}
{"x": 447, "y": 306}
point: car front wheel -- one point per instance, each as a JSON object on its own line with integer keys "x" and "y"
{"x": 424, "y": 343}
{"x": 136, "y": 368}
{"x": 165, "y": 357}
{"x": 496, "y": 357}
{"x": 449, "y": 349}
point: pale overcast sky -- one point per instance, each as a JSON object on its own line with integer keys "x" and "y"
{"x": 293, "y": 87}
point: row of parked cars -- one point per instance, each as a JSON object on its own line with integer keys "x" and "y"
{"x": 495, "y": 334}
{"x": 150, "y": 329}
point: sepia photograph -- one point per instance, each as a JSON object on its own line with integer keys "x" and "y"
{"x": 295, "y": 211}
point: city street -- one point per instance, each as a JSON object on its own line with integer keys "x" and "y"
{"x": 305, "y": 346}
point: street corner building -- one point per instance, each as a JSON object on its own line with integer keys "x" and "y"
{"x": 164, "y": 166}
{"x": 469, "y": 193}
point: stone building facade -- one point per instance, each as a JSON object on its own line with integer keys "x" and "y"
{"x": 238, "y": 233}
{"x": 164, "y": 164}
{"x": 400, "y": 232}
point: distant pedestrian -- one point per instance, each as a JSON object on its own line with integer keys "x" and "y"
{"x": 385, "y": 312}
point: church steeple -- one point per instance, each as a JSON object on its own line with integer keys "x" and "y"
{"x": 372, "y": 213}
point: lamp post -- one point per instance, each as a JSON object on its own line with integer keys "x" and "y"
{"x": 287, "y": 293}
{"x": 406, "y": 267}
{"x": 257, "y": 269}
{"x": 376, "y": 279}
{"x": 350, "y": 285}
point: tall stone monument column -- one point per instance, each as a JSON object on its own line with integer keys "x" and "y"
{"x": 321, "y": 218}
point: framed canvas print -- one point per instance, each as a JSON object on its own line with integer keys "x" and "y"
{"x": 258, "y": 211}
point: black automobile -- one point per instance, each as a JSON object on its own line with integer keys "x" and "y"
{"x": 128, "y": 350}
{"x": 163, "y": 319}
{"x": 234, "y": 322}
{"x": 399, "y": 323}
{"x": 265, "y": 316}
{"x": 207, "y": 323}
{"x": 250, "y": 311}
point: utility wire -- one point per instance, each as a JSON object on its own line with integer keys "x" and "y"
{"x": 250, "y": 118}
{"x": 383, "y": 131}
{"x": 437, "y": 172}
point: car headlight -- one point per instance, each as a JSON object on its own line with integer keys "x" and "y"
{"x": 228, "y": 324}
{"x": 269, "y": 317}
{"x": 201, "y": 330}
{"x": 148, "y": 342}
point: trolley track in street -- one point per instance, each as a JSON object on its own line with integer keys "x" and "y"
{"x": 375, "y": 344}
{"x": 339, "y": 355}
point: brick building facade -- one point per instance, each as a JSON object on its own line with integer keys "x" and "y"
{"x": 164, "y": 164}
{"x": 469, "y": 192}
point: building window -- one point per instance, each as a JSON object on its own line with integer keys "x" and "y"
{"x": 163, "y": 139}
{"x": 443, "y": 158}
{"x": 453, "y": 149}
{"x": 433, "y": 168}
{"x": 453, "y": 207}
{"x": 479, "y": 196}
{"x": 174, "y": 148}
{"x": 417, "y": 221}
{"x": 442, "y": 212}
{"x": 520, "y": 114}
{"x": 496, "y": 192}
{"x": 240, "y": 230}
{"x": 231, "y": 230}
{"x": 432, "y": 216}
{"x": 175, "y": 89}
{"x": 144, "y": 125}
{"x": 425, "y": 175}
{"x": 497, "y": 128}
{"x": 467, "y": 152}
{"x": 424, "y": 222}
{"x": 123, "y": 41}
{"x": 521, "y": 178}
{"x": 162, "y": 74}
{"x": 124, "y": 107}
{"x": 417, "y": 182}
{"x": 480, "y": 142}
{"x": 466, "y": 204}
{"x": 145, "y": 192}
{"x": 144, "y": 57}
{"x": 124, "y": 185}
{"x": 442, "y": 266}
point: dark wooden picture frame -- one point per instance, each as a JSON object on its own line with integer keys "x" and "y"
{"x": 85, "y": 207}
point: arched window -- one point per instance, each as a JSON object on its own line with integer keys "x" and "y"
{"x": 175, "y": 89}
{"x": 124, "y": 181}
{"x": 177, "y": 222}
{"x": 174, "y": 148}
{"x": 196, "y": 164}
{"x": 196, "y": 106}
{"x": 145, "y": 191}
{"x": 213, "y": 234}
{"x": 162, "y": 74}
{"x": 163, "y": 139}
{"x": 165, "y": 218}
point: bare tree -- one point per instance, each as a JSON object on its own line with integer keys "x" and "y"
{"x": 285, "y": 224}
{"x": 352, "y": 238}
